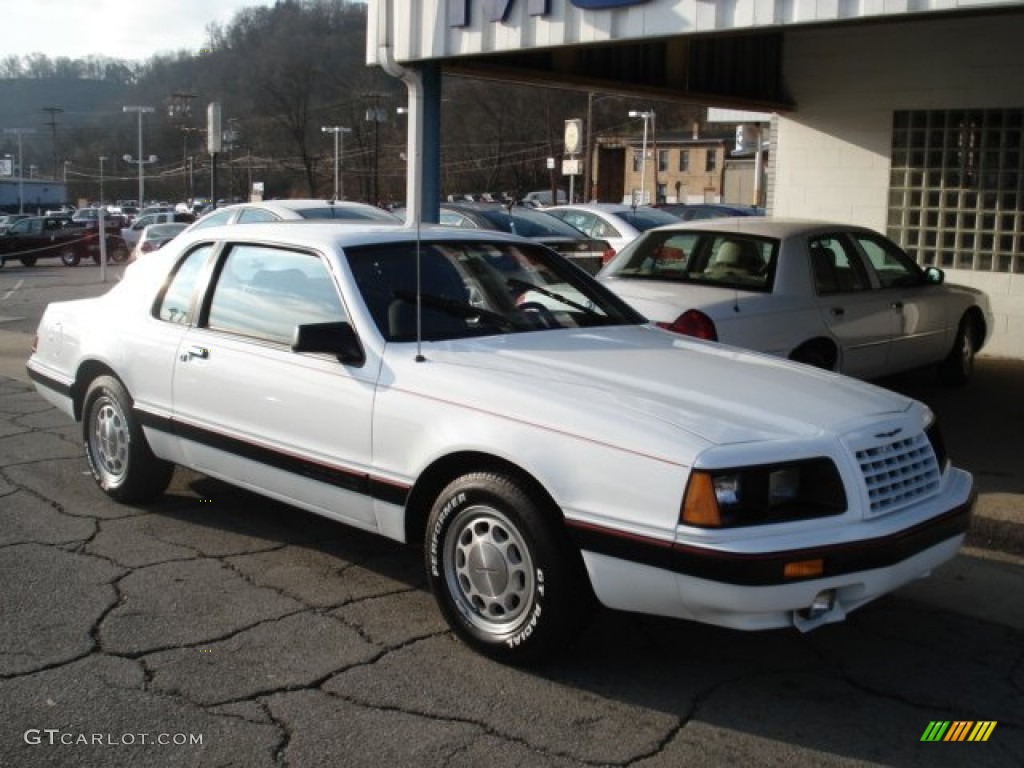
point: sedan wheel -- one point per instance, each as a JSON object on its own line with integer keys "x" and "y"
{"x": 505, "y": 577}
{"x": 958, "y": 366}
{"x": 116, "y": 449}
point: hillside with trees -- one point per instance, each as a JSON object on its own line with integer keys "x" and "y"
{"x": 280, "y": 73}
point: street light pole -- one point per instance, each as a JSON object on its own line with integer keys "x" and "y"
{"x": 338, "y": 132}
{"x": 19, "y": 132}
{"x": 142, "y": 177}
{"x": 646, "y": 116}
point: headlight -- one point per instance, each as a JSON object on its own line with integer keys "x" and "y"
{"x": 776, "y": 493}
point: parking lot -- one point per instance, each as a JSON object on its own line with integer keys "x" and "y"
{"x": 219, "y": 628}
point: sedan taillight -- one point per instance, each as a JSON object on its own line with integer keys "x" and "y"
{"x": 694, "y": 323}
{"x": 608, "y": 255}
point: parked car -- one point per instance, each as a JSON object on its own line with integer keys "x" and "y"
{"x": 588, "y": 253}
{"x": 131, "y": 233}
{"x": 41, "y": 237}
{"x": 155, "y": 236}
{"x": 540, "y": 454}
{"x": 281, "y": 210}
{"x": 832, "y": 295}
{"x": 541, "y": 197}
{"x": 90, "y": 219}
{"x": 618, "y": 224}
{"x": 694, "y": 211}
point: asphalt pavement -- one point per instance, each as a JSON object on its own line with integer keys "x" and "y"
{"x": 217, "y": 628}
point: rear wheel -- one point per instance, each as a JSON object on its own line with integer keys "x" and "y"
{"x": 119, "y": 253}
{"x": 504, "y": 574}
{"x": 119, "y": 457}
{"x": 820, "y": 354}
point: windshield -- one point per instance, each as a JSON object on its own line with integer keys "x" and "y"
{"x": 478, "y": 288}
{"x": 726, "y": 259}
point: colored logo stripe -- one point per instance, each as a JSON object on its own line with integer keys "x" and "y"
{"x": 958, "y": 730}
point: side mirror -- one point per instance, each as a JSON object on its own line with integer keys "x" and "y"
{"x": 337, "y": 338}
{"x": 934, "y": 276}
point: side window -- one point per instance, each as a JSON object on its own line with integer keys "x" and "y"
{"x": 893, "y": 267}
{"x": 581, "y": 221}
{"x": 214, "y": 219}
{"x": 253, "y": 215}
{"x": 176, "y": 303}
{"x": 835, "y": 268}
{"x": 265, "y": 292}
{"x": 600, "y": 228}
{"x": 452, "y": 219}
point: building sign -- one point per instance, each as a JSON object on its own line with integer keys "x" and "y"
{"x": 496, "y": 11}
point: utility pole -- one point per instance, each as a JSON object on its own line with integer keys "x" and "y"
{"x": 53, "y": 111}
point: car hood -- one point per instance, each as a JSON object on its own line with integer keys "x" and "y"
{"x": 636, "y": 385}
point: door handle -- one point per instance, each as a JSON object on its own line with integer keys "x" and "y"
{"x": 195, "y": 351}
{"x": 897, "y": 305}
{"x": 837, "y": 311}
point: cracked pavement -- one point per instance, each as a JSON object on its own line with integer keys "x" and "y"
{"x": 282, "y": 639}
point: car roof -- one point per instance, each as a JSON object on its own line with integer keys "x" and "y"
{"x": 320, "y": 234}
{"x": 596, "y": 207}
{"x": 765, "y": 226}
{"x": 298, "y": 204}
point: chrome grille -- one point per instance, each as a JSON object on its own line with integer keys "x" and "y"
{"x": 898, "y": 473}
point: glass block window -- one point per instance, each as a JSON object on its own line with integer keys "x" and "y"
{"x": 956, "y": 188}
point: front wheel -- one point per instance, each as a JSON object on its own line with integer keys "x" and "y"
{"x": 119, "y": 457}
{"x": 69, "y": 256}
{"x": 958, "y": 366}
{"x": 502, "y": 571}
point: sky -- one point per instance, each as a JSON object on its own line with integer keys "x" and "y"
{"x": 113, "y": 28}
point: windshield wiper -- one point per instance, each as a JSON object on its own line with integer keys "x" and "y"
{"x": 514, "y": 282}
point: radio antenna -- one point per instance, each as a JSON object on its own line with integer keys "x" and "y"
{"x": 419, "y": 298}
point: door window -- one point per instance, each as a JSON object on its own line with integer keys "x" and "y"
{"x": 176, "y": 303}
{"x": 265, "y": 292}
{"x": 894, "y": 268}
{"x": 836, "y": 268}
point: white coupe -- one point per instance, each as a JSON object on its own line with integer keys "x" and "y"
{"x": 476, "y": 394}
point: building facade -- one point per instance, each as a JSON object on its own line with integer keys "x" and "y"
{"x": 901, "y": 115}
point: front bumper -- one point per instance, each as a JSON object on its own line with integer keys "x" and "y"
{"x": 749, "y": 590}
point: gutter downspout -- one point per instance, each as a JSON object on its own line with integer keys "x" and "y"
{"x": 415, "y": 154}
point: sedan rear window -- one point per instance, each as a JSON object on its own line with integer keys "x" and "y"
{"x": 707, "y": 258}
